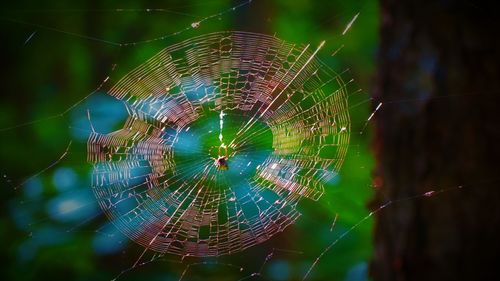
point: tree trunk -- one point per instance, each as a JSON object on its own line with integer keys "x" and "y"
{"x": 439, "y": 129}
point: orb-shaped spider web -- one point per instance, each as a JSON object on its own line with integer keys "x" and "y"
{"x": 226, "y": 133}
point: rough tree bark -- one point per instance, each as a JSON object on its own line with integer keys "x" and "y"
{"x": 438, "y": 76}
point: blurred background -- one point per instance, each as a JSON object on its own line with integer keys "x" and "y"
{"x": 426, "y": 165}
{"x": 55, "y": 55}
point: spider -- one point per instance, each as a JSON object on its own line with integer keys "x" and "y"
{"x": 221, "y": 163}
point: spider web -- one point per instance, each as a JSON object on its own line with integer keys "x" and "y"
{"x": 286, "y": 123}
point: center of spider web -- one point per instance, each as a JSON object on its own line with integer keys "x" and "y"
{"x": 221, "y": 163}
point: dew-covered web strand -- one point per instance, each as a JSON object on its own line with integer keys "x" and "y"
{"x": 138, "y": 261}
{"x": 107, "y": 11}
{"x": 63, "y": 155}
{"x": 246, "y": 126}
{"x": 253, "y": 120}
{"x": 250, "y": 122}
{"x": 192, "y": 25}
{"x": 301, "y": 112}
{"x": 268, "y": 258}
{"x": 203, "y": 176}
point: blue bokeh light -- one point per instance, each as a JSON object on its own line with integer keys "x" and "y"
{"x": 359, "y": 272}
{"x": 72, "y": 206}
{"x": 64, "y": 179}
{"x": 279, "y": 270}
{"x": 106, "y": 114}
{"x": 33, "y": 188}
